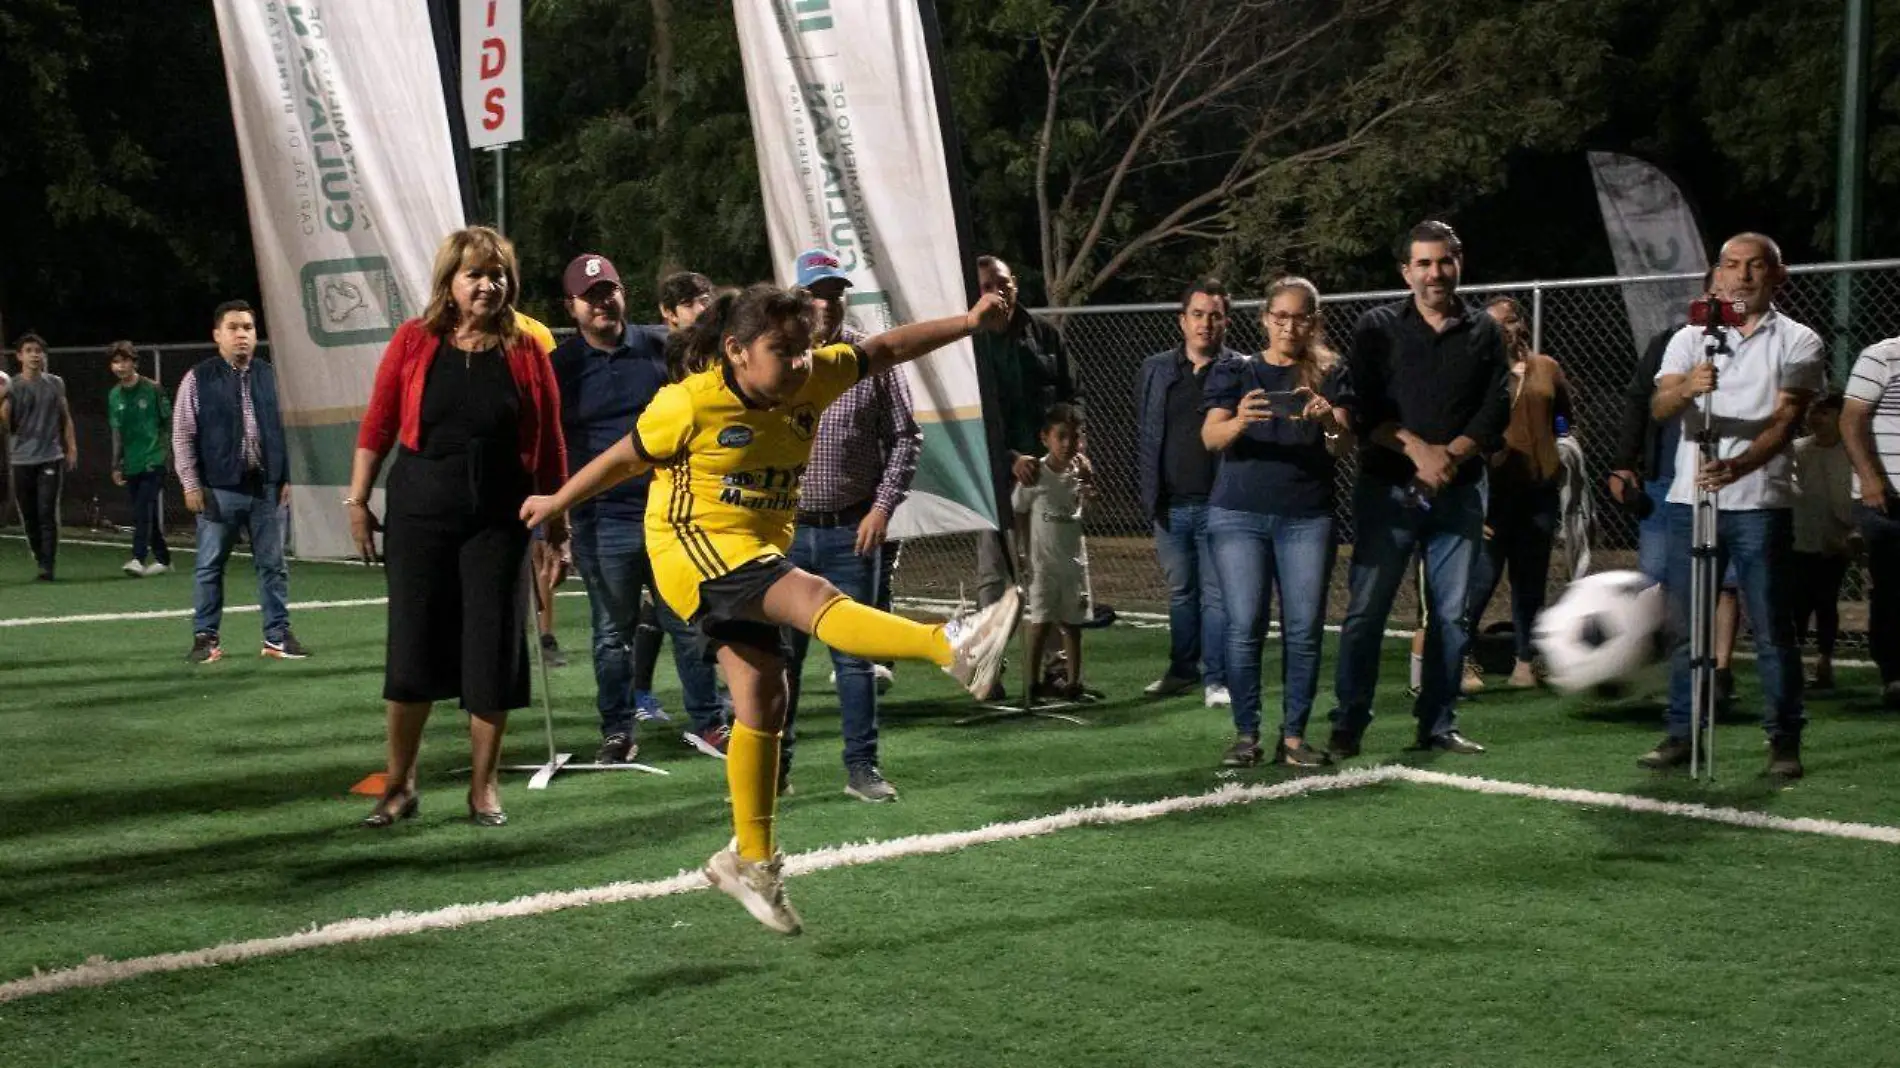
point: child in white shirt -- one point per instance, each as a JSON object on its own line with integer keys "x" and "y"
{"x": 1049, "y": 524}
{"x": 1824, "y": 539}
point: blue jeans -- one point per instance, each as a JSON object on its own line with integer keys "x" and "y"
{"x": 1881, "y": 532}
{"x": 147, "y": 534}
{"x": 1197, "y": 620}
{"x": 1388, "y": 532}
{"x": 1759, "y": 546}
{"x": 828, "y": 552}
{"x": 1523, "y": 527}
{"x": 612, "y": 559}
{"x": 261, "y": 516}
{"x": 1652, "y": 534}
{"x": 1252, "y": 553}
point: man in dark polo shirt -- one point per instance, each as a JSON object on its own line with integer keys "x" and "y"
{"x": 1022, "y": 370}
{"x": 1434, "y": 391}
{"x": 1176, "y": 475}
{"x": 607, "y": 374}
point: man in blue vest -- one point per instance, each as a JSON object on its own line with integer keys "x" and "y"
{"x": 228, "y": 447}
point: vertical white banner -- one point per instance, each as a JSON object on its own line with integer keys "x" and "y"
{"x": 491, "y": 71}
{"x": 1652, "y": 231}
{"x": 349, "y": 177}
{"x": 851, "y": 157}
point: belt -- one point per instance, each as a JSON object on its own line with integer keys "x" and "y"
{"x": 847, "y": 517}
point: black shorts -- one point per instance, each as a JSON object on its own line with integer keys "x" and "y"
{"x": 731, "y": 607}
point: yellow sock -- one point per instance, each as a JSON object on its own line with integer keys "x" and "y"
{"x": 752, "y": 776}
{"x": 862, "y": 631}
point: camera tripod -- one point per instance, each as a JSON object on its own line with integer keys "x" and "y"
{"x": 1705, "y": 580}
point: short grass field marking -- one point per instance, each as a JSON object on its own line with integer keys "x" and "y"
{"x": 101, "y": 972}
{"x": 236, "y": 609}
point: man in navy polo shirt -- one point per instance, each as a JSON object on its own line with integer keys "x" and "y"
{"x": 608, "y": 372}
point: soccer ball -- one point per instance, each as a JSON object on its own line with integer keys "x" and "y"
{"x": 1601, "y": 631}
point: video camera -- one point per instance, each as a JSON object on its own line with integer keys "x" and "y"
{"x": 1708, "y": 312}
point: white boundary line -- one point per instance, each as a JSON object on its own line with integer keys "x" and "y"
{"x": 98, "y": 971}
{"x": 240, "y": 609}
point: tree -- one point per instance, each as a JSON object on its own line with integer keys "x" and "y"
{"x": 640, "y": 145}
{"x": 1165, "y": 129}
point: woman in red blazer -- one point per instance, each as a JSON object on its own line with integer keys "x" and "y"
{"x": 468, "y": 401}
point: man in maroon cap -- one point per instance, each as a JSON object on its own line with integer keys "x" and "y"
{"x": 608, "y": 372}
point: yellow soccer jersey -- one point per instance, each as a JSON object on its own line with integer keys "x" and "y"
{"x": 535, "y": 329}
{"x": 726, "y": 473}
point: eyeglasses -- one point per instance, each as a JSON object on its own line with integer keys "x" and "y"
{"x": 1284, "y": 319}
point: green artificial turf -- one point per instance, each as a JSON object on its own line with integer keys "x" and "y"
{"x": 154, "y": 806}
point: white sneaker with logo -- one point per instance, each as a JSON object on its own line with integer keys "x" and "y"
{"x": 759, "y": 887}
{"x": 977, "y": 641}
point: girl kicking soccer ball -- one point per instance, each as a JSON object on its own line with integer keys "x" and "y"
{"x": 728, "y": 444}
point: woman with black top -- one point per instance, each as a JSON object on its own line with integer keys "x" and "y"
{"x": 1278, "y": 418}
{"x": 468, "y": 400}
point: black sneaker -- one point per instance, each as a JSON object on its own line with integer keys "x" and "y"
{"x": 1244, "y": 753}
{"x": 1300, "y": 756}
{"x": 289, "y": 648}
{"x": 1343, "y": 745}
{"x": 1448, "y": 742}
{"x": 204, "y": 649}
{"x": 712, "y": 741}
{"x": 616, "y": 749}
{"x": 1784, "y": 757}
{"x": 866, "y": 783}
{"x": 551, "y": 653}
{"x": 1669, "y": 753}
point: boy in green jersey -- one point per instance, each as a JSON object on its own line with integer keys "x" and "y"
{"x": 141, "y": 419}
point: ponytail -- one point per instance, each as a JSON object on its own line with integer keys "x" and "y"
{"x": 742, "y": 315}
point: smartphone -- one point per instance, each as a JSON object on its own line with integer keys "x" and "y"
{"x": 1287, "y": 404}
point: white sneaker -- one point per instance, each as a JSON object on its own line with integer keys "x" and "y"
{"x": 977, "y": 642}
{"x": 1168, "y": 686}
{"x": 156, "y": 568}
{"x": 759, "y": 887}
{"x": 1217, "y": 697}
{"x": 885, "y": 678}
{"x": 133, "y": 568}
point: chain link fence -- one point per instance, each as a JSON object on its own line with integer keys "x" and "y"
{"x": 1582, "y": 323}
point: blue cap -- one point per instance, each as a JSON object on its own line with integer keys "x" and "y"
{"x": 819, "y": 263}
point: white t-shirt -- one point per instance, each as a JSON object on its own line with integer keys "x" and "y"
{"x": 1876, "y": 380}
{"x": 1054, "y": 507}
{"x": 1780, "y": 355}
{"x": 1824, "y": 498}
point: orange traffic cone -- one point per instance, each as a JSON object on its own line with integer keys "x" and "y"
{"x": 375, "y": 784}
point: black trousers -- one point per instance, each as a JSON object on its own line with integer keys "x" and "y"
{"x": 1817, "y": 596}
{"x": 37, "y": 487}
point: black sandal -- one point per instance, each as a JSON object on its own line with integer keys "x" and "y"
{"x": 384, "y": 816}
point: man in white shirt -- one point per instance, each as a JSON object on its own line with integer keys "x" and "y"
{"x": 1870, "y": 428}
{"x": 1752, "y": 399}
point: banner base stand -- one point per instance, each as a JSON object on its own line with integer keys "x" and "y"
{"x": 997, "y": 713}
{"x": 545, "y": 773}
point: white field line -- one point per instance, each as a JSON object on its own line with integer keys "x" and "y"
{"x": 1140, "y": 620}
{"x": 98, "y": 971}
{"x": 238, "y": 609}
